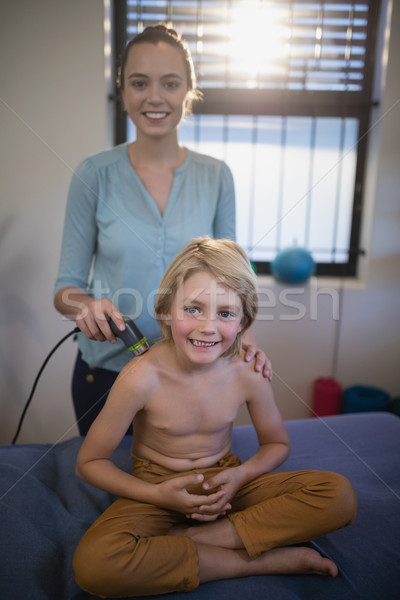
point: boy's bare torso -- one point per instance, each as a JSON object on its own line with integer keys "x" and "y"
{"x": 187, "y": 419}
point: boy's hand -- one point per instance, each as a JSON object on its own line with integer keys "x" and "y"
{"x": 228, "y": 482}
{"x": 172, "y": 494}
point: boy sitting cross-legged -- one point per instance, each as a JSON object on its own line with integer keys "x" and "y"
{"x": 190, "y": 512}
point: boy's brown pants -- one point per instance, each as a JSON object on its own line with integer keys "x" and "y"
{"x": 127, "y": 551}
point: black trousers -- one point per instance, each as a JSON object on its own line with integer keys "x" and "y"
{"x": 90, "y": 388}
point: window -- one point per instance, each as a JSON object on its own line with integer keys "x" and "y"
{"x": 287, "y": 99}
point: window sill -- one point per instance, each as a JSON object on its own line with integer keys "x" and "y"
{"x": 336, "y": 283}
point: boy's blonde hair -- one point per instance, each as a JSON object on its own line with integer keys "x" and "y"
{"x": 227, "y": 262}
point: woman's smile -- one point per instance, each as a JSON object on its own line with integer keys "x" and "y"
{"x": 155, "y": 116}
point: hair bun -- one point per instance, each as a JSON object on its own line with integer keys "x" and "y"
{"x": 162, "y": 27}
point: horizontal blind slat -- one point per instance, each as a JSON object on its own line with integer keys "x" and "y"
{"x": 324, "y": 43}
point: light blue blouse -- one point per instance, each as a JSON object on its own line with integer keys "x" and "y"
{"x": 117, "y": 245}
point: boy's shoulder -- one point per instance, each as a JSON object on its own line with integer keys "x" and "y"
{"x": 236, "y": 367}
{"x": 151, "y": 362}
{"x": 243, "y": 366}
{"x": 143, "y": 368}
{"x": 246, "y": 374}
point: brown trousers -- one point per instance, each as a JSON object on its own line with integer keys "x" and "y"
{"x": 127, "y": 551}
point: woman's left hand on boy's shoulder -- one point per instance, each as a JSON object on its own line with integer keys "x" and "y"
{"x": 261, "y": 362}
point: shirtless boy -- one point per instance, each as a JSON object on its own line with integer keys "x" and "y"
{"x": 190, "y": 512}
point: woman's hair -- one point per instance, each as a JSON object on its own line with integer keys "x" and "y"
{"x": 155, "y": 34}
{"x": 227, "y": 262}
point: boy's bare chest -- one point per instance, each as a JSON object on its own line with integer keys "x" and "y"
{"x": 194, "y": 409}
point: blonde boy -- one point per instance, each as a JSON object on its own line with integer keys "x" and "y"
{"x": 190, "y": 512}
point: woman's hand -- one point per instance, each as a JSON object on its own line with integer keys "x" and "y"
{"x": 89, "y": 314}
{"x": 92, "y": 320}
{"x": 262, "y": 363}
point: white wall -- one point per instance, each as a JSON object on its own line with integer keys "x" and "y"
{"x": 53, "y": 113}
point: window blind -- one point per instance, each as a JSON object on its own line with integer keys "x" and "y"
{"x": 271, "y": 45}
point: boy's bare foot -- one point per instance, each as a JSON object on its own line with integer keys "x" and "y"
{"x": 288, "y": 560}
{"x": 220, "y": 563}
{"x": 294, "y": 561}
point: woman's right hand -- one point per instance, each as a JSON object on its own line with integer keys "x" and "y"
{"x": 89, "y": 314}
{"x": 92, "y": 320}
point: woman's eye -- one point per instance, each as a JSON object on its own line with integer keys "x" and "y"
{"x": 172, "y": 84}
{"x": 138, "y": 84}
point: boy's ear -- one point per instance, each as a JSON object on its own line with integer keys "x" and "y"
{"x": 244, "y": 324}
{"x": 165, "y": 319}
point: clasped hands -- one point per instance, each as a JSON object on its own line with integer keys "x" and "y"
{"x": 174, "y": 495}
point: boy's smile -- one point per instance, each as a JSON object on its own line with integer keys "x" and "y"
{"x": 206, "y": 317}
{"x": 203, "y": 344}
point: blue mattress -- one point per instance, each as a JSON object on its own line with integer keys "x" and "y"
{"x": 45, "y": 509}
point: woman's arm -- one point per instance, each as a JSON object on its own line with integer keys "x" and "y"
{"x": 77, "y": 253}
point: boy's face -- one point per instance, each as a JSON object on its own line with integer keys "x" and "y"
{"x": 206, "y": 317}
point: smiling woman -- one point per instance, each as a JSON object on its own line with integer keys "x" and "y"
{"x": 136, "y": 206}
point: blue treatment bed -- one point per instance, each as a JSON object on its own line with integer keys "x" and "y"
{"x": 45, "y": 509}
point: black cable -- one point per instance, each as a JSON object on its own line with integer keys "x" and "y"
{"x": 37, "y": 379}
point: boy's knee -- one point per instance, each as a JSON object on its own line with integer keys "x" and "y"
{"x": 94, "y": 571}
{"x": 345, "y": 499}
{"x": 118, "y": 566}
{"x": 86, "y": 567}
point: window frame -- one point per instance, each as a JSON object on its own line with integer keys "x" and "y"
{"x": 284, "y": 103}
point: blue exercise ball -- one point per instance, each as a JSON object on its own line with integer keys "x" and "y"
{"x": 293, "y": 265}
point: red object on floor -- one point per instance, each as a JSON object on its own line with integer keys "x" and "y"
{"x": 327, "y": 397}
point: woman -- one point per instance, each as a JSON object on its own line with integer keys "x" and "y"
{"x": 129, "y": 212}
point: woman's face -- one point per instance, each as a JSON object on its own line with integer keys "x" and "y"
{"x": 155, "y": 89}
